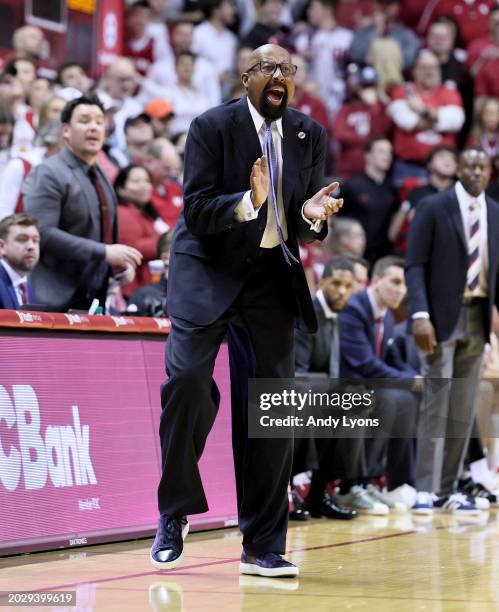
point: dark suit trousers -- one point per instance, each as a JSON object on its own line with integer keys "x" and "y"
{"x": 393, "y": 450}
{"x": 339, "y": 459}
{"x": 190, "y": 398}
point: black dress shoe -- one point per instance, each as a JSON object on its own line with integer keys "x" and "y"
{"x": 271, "y": 565}
{"x": 329, "y": 509}
{"x": 168, "y": 545}
{"x": 299, "y": 514}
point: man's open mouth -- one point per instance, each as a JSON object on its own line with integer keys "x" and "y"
{"x": 275, "y": 95}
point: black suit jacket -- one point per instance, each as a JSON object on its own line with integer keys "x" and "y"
{"x": 313, "y": 351}
{"x": 437, "y": 261}
{"x": 212, "y": 252}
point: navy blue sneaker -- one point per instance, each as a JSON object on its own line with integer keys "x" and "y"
{"x": 168, "y": 545}
{"x": 457, "y": 503}
{"x": 271, "y": 565}
{"x": 477, "y": 490}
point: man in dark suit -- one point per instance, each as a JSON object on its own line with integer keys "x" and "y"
{"x": 76, "y": 207}
{"x": 451, "y": 270}
{"x": 235, "y": 255}
{"x": 318, "y": 355}
{"x": 368, "y": 353}
{"x": 19, "y": 252}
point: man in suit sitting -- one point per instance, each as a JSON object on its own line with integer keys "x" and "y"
{"x": 76, "y": 207}
{"x": 19, "y": 252}
{"x": 452, "y": 268}
{"x": 318, "y": 355}
{"x": 367, "y": 353}
{"x": 235, "y": 257}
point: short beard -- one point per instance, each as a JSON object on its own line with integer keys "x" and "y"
{"x": 272, "y": 112}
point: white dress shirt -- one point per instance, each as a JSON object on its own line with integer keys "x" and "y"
{"x": 328, "y": 313}
{"x": 378, "y": 312}
{"x": 244, "y": 210}
{"x": 16, "y": 279}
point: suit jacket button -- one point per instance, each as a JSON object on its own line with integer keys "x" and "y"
{"x": 249, "y": 259}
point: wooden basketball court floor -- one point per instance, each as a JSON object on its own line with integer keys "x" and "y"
{"x": 393, "y": 563}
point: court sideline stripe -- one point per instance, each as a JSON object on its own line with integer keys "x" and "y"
{"x": 182, "y": 569}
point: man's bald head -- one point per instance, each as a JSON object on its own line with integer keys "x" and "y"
{"x": 120, "y": 79}
{"x": 268, "y": 80}
{"x": 28, "y": 42}
{"x": 264, "y": 51}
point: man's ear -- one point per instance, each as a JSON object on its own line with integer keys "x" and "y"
{"x": 2, "y": 245}
{"x": 244, "y": 79}
{"x": 65, "y": 131}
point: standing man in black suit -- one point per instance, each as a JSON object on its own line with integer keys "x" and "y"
{"x": 451, "y": 269}
{"x": 235, "y": 254}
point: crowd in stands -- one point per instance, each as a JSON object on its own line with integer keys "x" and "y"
{"x": 91, "y": 186}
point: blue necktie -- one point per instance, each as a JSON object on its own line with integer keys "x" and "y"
{"x": 269, "y": 151}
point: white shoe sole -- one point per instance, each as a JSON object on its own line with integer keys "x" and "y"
{"x": 423, "y": 511}
{"x": 276, "y": 572}
{"x": 169, "y": 565}
{"x": 400, "y": 508}
{"x": 460, "y": 513}
{"x": 373, "y": 511}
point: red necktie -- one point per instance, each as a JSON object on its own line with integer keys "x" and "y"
{"x": 23, "y": 288}
{"x": 106, "y": 227}
{"x": 379, "y": 336}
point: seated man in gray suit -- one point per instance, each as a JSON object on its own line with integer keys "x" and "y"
{"x": 319, "y": 355}
{"x": 76, "y": 207}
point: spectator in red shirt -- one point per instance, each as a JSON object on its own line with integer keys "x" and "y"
{"x": 361, "y": 119}
{"x": 138, "y": 220}
{"x": 486, "y": 47}
{"x": 143, "y": 45}
{"x": 441, "y": 39}
{"x": 165, "y": 167}
{"x": 471, "y": 17}
{"x": 354, "y": 14}
{"x": 486, "y": 81}
{"x": 426, "y": 114}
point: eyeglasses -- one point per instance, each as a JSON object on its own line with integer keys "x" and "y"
{"x": 268, "y": 68}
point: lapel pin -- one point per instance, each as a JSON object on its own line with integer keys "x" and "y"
{"x": 301, "y": 135}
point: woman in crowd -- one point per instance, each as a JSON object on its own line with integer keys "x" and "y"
{"x": 139, "y": 223}
{"x": 485, "y": 130}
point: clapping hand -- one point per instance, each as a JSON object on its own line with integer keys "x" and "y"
{"x": 260, "y": 182}
{"x": 322, "y": 205}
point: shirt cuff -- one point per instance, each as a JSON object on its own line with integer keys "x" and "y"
{"x": 244, "y": 210}
{"x": 421, "y": 315}
{"x": 316, "y": 225}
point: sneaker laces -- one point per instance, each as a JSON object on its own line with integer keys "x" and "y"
{"x": 172, "y": 528}
{"x": 460, "y": 497}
